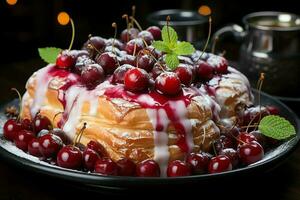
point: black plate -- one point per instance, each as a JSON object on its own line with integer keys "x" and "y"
{"x": 98, "y": 182}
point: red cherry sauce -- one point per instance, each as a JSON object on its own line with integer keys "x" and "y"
{"x": 69, "y": 79}
{"x": 159, "y": 101}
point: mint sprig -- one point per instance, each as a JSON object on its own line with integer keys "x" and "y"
{"x": 49, "y": 54}
{"x": 172, "y": 47}
{"x": 276, "y": 127}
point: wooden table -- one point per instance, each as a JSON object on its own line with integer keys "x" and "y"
{"x": 15, "y": 183}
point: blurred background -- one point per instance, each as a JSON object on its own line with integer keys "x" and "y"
{"x": 26, "y": 25}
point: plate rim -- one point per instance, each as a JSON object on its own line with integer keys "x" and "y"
{"x": 94, "y": 179}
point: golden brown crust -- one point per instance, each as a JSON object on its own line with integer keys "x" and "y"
{"x": 124, "y": 129}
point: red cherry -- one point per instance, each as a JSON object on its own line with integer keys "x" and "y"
{"x": 136, "y": 80}
{"x": 126, "y": 167}
{"x": 108, "y": 61}
{"x": 219, "y": 63}
{"x": 155, "y": 31}
{"x": 185, "y": 60}
{"x": 129, "y": 34}
{"x": 185, "y": 74}
{"x": 245, "y": 137}
{"x": 148, "y": 168}
{"x": 158, "y": 69}
{"x": 49, "y": 145}
{"x": 220, "y": 163}
{"x": 81, "y": 62}
{"x": 106, "y": 166}
{"x": 147, "y": 36}
{"x": 232, "y": 132}
{"x": 228, "y": 142}
{"x": 96, "y": 146}
{"x": 198, "y": 162}
{"x": 27, "y": 124}
{"x": 260, "y": 138}
{"x": 41, "y": 122}
{"x": 94, "y": 45}
{"x": 33, "y": 147}
{"x": 250, "y": 152}
{"x": 134, "y": 46}
{"x": 119, "y": 73}
{"x": 145, "y": 62}
{"x": 205, "y": 71}
{"x": 89, "y": 158}
{"x": 92, "y": 75}
{"x": 66, "y": 59}
{"x": 127, "y": 59}
{"x": 22, "y": 139}
{"x": 60, "y": 133}
{"x": 217, "y": 145}
{"x": 42, "y": 132}
{"x": 117, "y": 43}
{"x": 11, "y": 128}
{"x": 69, "y": 157}
{"x": 168, "y": 83}
{"x": 273, "y": 110}
{"x": 253, "y": 115}
{"x": 178, "y": 168}
{"x": 154, "y": 52}
{"x": 232, "y": 155}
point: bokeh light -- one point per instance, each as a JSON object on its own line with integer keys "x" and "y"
{"x": 204, "y": 10}
{"x": 11, "y": 2}
{"x": 63, "y": 18}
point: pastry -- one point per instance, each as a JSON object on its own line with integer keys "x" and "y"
{"x": 126, "y": 105}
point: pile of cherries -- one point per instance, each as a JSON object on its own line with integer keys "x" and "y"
{"x": 132, "y": 61}
{"x": 235, "y": 148}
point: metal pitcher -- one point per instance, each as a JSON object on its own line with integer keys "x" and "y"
{"x": 270, "y": 43}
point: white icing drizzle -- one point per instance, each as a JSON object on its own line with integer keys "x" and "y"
{"x": 161, "y": 148}
{"x": 180, "y": 110}
{"x": 75, "y": 97}
{"x": 42, "y": 82}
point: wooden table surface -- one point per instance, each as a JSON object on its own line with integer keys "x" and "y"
{"x": 15, "y": 183}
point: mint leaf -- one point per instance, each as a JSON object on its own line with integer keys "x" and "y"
{"x": 172, "y": 61}
{"x": 49, "y": 54}
{"x": 184, "y": 48}
{"x": 160, "y": 45}
{"x": 276, "y": 127}
{"x": 169, "y": 36}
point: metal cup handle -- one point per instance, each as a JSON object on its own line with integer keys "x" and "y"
{"x": 237, "y": 31}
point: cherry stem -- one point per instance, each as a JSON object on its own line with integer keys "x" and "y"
{"x": 114, "y": 25}
{"x": 144, "y": 41}
{"x": 248, "y": 126}
{"x": 208, "y": 37}
{"x": 56, "y": 116}
{"x": 73, "y": 34}
{"x": 132, "y": 15}
{"x": 90, "y": 45}
{"x": 168, "y": 19}
{"x": 127, "y": 25}
{"x": 150, "y": 53}
{"x": 134, "y": 21}
{"x": 261, "y": 80}
{"x": 20, "y": 102}
{"x": 79, "y": 135}
{"x": 134, "y": 50}
{"x": 231, "y": 130}
{"x": 213, "y": 48}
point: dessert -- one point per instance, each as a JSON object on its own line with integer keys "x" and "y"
{"x": 139, "y": 106}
